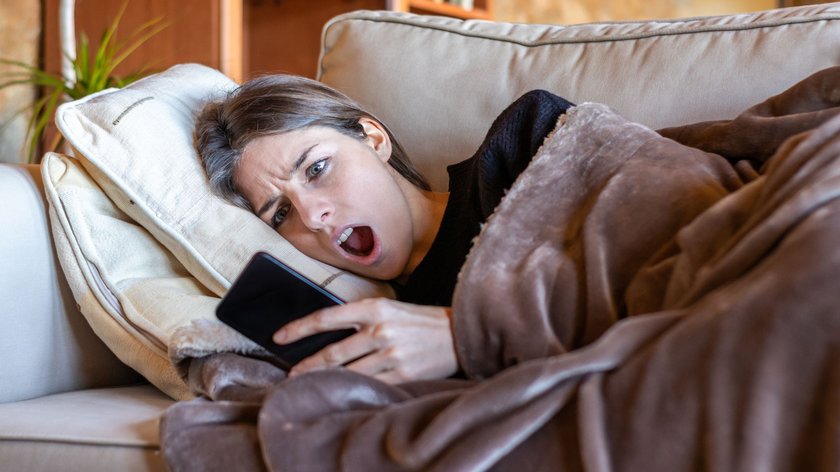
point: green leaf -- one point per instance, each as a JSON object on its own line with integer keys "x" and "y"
{"x": 94, "y": 71}
{"x": 37, "y": 123}
{"x": 12, "y": 83}
{"x": 81, "y": 62}
{"x": 138, "y": 38}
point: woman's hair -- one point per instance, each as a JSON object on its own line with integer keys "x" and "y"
{"x": 275, "y": 104}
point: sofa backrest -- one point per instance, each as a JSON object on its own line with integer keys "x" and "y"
{"x": 439, "y": 82}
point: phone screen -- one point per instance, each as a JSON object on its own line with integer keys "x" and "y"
{"x": 267, "y": 295}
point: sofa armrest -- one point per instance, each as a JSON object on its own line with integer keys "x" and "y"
{"x": 45, "y": 343}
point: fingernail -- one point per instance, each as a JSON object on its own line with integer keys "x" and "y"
{"x": 279, "y": 337}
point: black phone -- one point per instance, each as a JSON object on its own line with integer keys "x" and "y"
{"x": 267, "y": 295}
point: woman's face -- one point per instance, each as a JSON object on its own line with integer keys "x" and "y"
{"x": 335, "y": 198}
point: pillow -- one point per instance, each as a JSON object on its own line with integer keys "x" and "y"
{"x": 129, "y": 288}
{"x": 136, "y": 144}
{"x": 137, "y": 297}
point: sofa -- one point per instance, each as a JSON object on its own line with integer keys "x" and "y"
{"x": 82, "y": 390}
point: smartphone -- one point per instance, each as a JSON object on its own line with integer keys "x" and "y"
{"x": 267, "y": 295}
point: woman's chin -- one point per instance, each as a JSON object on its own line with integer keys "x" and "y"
{"x": 375, "y": 273}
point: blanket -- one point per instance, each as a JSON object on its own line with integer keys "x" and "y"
{"x": 639, "y": 300}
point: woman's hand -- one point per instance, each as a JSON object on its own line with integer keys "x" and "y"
{"x": 396, "y": 342}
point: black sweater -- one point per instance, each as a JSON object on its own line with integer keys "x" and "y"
{"x": 476, "y": 186}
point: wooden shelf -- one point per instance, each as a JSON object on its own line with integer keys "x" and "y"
{"x": 483, "y": 10}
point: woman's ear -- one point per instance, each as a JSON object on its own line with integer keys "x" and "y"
{"x": 376, "y": 137}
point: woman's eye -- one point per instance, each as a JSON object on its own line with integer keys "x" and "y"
{"x": 315, "y": 169}
{"x": 278, "y": 218}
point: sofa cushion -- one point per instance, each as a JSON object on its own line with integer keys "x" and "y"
{"x": 97, "y": 429}
{"x": 439, "y": 82}
{"x": 137, "y": 145}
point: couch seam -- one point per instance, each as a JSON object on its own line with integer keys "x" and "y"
{"x": 9, "y": 437}
{"x": 627, "y": 37}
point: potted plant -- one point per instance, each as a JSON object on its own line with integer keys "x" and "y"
{"x": 86, "y": 71}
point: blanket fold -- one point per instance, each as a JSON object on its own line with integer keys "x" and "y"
{"x": 759, "y": 131}
{"x": 594, "y": 219}
{"x": 634, "y": 303}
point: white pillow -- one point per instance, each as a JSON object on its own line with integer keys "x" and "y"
{"x": 137, "y": 297}
{"x": 129, "y": 288}
{"x": 137, "y": 144}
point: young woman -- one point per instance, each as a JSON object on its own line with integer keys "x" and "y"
{"x": 333, "y": 181}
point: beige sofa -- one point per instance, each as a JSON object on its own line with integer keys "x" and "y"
{"x": 68, "y": 403}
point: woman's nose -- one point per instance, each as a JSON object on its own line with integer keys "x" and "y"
{"x": 314, "y": 213}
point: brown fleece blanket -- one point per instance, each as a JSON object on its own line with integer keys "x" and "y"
{"x": 633, "y": 304}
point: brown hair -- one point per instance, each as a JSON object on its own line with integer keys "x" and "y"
{"x": 274, "y": 104}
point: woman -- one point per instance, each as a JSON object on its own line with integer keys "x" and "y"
{"x": 333, "y": 180}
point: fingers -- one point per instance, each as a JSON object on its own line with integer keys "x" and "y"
{"x": 378, "y": 365}
{"x": 350, "y": 315}
{"x": 384, "y": 367}
{"x": 381, "y": 365}
{"x": 395, "y": 342}
{"x": 338, "y": 354}
{"x": 373, "y": 364}
{"x": 393, "y": 377}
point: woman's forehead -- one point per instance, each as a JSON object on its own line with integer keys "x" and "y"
{"x": 292, "y": 142}
{"x": 281, "y": 149}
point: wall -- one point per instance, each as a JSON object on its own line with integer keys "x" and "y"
{"x": 20, "y": 29}
{"x": 191, "y": 35}
{"x": 285, "y": 36}
{"x": 585, "y": 11}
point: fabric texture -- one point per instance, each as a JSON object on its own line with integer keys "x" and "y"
{"x": 40, "y": 456}
{"x": 139, "y": 300}
{"x": 118, "y": 416}
{"x": 130, "y": 289}
{"x": 459, "y": 75}
{"x": 137, "y": 144}
{"x": 475, "y": 188}
{"x": 91, "y": 430}
{"x": 658, "y": 307}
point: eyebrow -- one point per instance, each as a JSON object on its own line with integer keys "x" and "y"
{"x": 300, "y": 160}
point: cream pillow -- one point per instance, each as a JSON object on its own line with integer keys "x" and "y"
{"x": 137, "y": 297}
{"x": 130, "y": 289}
{"x": 136, "y": 144}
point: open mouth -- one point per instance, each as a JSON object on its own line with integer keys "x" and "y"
{"x": 357, "y": 241}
